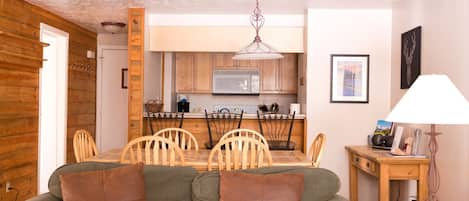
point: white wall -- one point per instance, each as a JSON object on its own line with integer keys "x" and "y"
{"x": 112, "y": 39}
{"x": 152, "y": 69}
{"x": 445, "y": 50}
{"x": 201, "y": 33}
{"x": 347, "y": 32}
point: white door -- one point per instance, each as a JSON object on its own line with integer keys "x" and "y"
{"x": 112, "y": 100}
{"x": 53, "y": 83}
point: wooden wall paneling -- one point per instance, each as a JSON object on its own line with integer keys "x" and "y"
{"x": 136, "y": 17}
{"x": 20, "y": 61}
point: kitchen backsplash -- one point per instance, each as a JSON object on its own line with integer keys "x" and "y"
{"x": 200, "y": 102}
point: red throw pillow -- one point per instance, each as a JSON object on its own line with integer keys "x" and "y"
{"x": 235, "y": 186}
{"x": 118, "y": 184}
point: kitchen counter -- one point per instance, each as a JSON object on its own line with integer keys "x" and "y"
{"x": 191, "y": 115}
{"x": 197, "y": 125}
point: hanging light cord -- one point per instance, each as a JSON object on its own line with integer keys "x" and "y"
{"x": 257, "y": 21}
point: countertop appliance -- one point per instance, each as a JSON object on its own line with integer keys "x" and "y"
{"x": 235, "y": 82}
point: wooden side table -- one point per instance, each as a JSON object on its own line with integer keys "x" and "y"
{"x": 380, "y": 164}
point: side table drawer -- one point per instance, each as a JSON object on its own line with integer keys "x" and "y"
{"x": 364, "y": 164}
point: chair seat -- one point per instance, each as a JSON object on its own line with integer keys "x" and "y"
{"x": 281, "y": 145}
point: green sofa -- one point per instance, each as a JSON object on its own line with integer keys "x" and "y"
{"x": 186, "y": 184}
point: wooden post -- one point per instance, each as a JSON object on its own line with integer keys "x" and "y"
{"x": 136, "y": 40}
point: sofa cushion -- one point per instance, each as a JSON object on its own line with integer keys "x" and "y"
{"x": 319, "y": 184}
{"x": 268, "y": 187}
{"x": 161, "y": 182}
{"x": 124, "y": 183}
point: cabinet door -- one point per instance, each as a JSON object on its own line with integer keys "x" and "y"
{"x": 203, "y": 73}
{"x": 223, "y": 60}
{"x": 269, "y": 76}
{"x": 288, "y": 73}
{"x": 184, "y": 72}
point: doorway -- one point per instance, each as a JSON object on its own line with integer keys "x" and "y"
{"x": 53, "y": 92}
{"x": 112, "y": 99}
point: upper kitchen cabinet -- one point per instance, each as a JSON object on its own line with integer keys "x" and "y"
{"x": 280, "y": 76}
{"x": 288, "y": 73}
{"x": 185, "y": 72}
{"x": 269, "y": 71}
{"x": 223, "y": 60}
{"x": 203, "y": 73}
{"x": 193, "y": 73}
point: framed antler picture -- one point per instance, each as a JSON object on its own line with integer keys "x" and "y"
{"x": 410, "y": 56}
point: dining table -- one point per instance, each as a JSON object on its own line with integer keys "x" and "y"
{"x": 198, "y": 159}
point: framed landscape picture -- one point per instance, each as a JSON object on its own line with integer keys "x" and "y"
{"x": 349, "y": 78}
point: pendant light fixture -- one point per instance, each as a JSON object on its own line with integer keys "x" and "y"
{"x": 113, "y": 27}
{"x": 257, "y": 50}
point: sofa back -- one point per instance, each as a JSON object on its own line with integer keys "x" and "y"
{"x": 319, "y": 184}
{"x": 162, "y": 183}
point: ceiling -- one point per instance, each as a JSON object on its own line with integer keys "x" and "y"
{"x": 90, "y": 13}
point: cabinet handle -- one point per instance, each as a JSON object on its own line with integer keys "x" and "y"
{"x": 357, "y": 159}
{"x": 367, "y": 164}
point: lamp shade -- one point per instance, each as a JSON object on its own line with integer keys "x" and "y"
{"x": 257, "y": 50}
{"x": 432, "y": 99}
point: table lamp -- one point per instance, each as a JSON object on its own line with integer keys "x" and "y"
{"x": 432, "y": 99}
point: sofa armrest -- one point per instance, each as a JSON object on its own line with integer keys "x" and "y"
{"x": 338, "y": 198}
{"x": 45, "y": 197}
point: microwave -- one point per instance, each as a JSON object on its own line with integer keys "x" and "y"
{"x": 235, "y": 82}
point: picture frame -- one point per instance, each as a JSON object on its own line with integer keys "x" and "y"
{"x": 350, "y": 78}
{"x": 411, "y": 42}
{"x": 124, "y": 78}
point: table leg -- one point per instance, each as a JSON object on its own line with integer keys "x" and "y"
{"x": 384, "y": 183}
{"x": 422, "y": 183}
{"x": 353, "y": 182}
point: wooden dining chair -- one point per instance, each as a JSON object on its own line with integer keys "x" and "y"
{"x": 219, "y": 123}
{"x": 240, "y": 153}
{"x": 277, "y": 129}
{"x": 181, "y": 137}
{"x": 161, "y": 120}
{"x": 83, "y": 145}
{"x": 315, "y": 152}
{"x": 152, "y": 150}
{"x": 242, "y": 132}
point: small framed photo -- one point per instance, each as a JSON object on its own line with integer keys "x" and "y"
{"x": 349, "y": 78}
{"x": 124, "y": 78}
